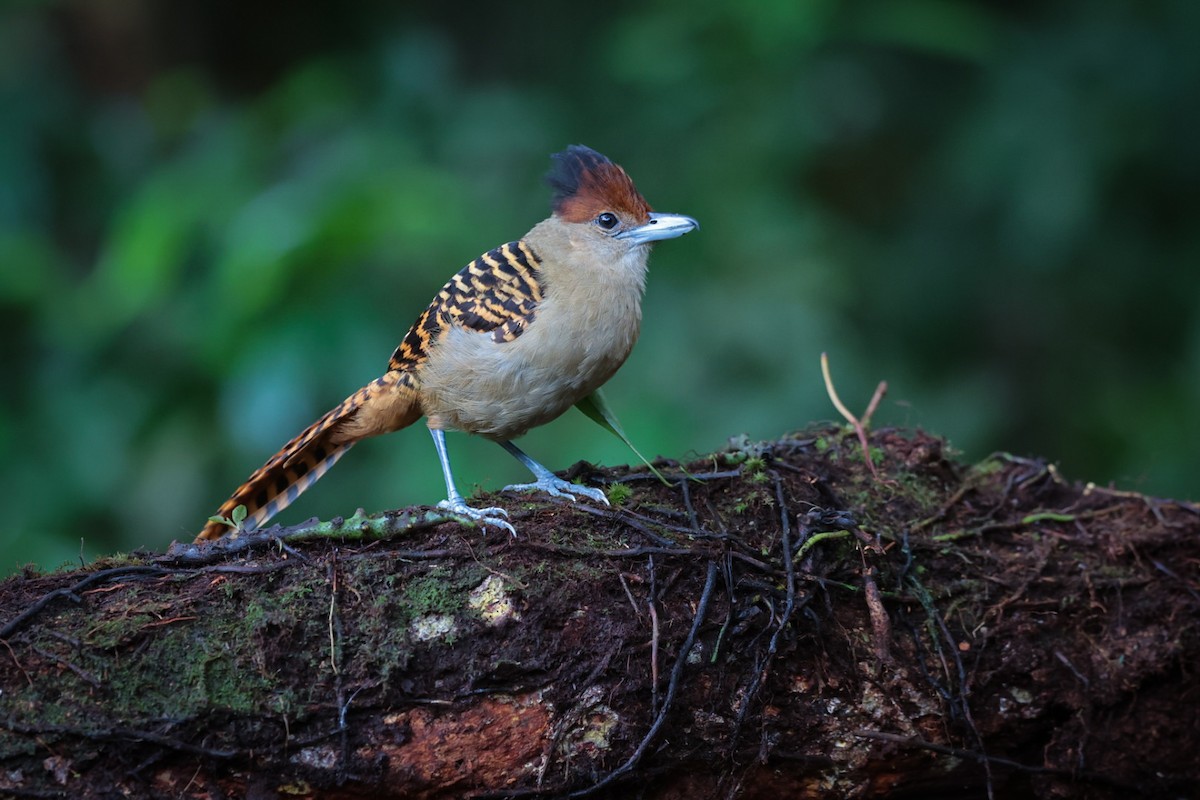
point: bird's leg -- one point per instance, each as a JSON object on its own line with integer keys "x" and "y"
{"x": 547, "y": 481}
{"x": 454, "y": 502}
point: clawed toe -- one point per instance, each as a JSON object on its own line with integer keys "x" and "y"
{"x": 551, "y": 490}
{"x": 596, "y": 494}
{"x": 497, "y": 517}
{"x": 556, "y": 487}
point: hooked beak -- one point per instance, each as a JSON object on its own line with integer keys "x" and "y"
{"x": 660, "y": 226}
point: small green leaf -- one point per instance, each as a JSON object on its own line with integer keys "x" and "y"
{"x": 239, "y": 516}
{"x": 221, "y": 520}
{"x": 596, "y": 407}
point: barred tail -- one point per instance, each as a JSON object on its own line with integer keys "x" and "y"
{"x": 383, "y": 405}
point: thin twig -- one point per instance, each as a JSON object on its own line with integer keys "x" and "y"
{"x": 652, "y": 601}
{"x": 860, "y": 426}
{"x": 653, "y": 655}
{"x": 84, "y": 675}
{"x": 623, "y": 552}
{"x": 876, "y": 398}
{"x": 695, "y": 476}
{"x": 687, "y": 503}
{"x": 16, "y": 661}
{"x": 626, "y": 517}
{"x": 332, "y": 621}
{"x": 881, "y": 626}
{"x": 628, "y": 593}
{"x": 833, "y": 395}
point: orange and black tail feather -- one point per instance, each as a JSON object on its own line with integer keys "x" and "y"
{"x": 388, "y": 403}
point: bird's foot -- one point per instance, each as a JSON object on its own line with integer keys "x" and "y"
{"x": 483, "y": 516}
{"x": 557, "y": 487}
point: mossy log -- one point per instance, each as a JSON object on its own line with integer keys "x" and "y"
{"x": 788, "y": 618}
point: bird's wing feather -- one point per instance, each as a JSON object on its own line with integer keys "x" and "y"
{"x": 497, "y": 293}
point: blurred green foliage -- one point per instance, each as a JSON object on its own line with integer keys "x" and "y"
{"x": 217, "y": 219}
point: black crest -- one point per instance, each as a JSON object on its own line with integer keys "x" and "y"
{"x": 571, "y": 166}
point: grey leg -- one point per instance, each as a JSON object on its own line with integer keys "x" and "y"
{"x": 547, "y": 481}
{"x": 454, "y": 502}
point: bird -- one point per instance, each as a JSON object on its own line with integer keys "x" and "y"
{"x": 514, "y": 339}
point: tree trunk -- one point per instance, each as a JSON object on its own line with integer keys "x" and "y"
{"x": 788, "y": 621}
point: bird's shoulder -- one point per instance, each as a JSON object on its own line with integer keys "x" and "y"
{"x": 497, "y": 294}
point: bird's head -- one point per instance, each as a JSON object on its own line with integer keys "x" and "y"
{"x": 599, "y": 201}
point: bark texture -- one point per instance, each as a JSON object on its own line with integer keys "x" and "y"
{"x": 790, "y": 620}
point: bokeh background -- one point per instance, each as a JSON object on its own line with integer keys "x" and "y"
{"x": 218, "y": 218}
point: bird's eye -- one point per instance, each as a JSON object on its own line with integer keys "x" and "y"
{"x": 607, "y": 220}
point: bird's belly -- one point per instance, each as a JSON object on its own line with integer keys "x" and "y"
{"x": 500, "y": 390}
